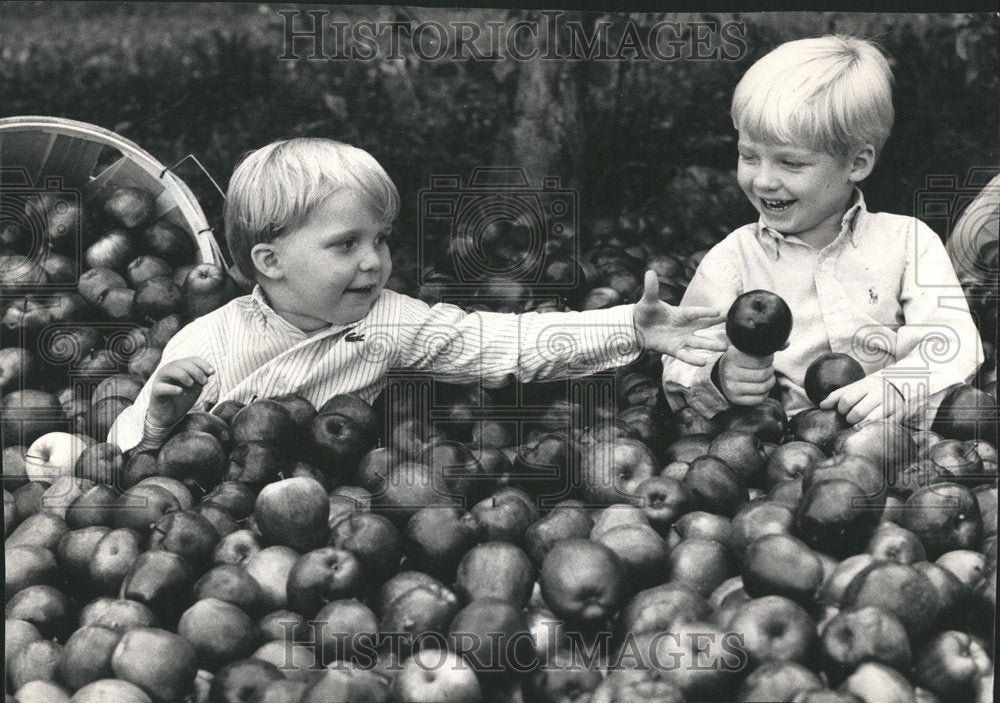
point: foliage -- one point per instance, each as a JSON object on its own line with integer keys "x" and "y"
{"x": 658, "y": 145}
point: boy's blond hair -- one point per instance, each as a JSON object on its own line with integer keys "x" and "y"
{"x": 275, "y": 188}
{"x": 831, "y": 93}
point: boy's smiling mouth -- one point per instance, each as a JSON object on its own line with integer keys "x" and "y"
{"x": 776, "y": 206}
{"x": 362, "y": 290}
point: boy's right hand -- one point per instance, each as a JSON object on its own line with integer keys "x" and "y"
{"x": 176, "y": 387}
{"x": 745, "y": 379}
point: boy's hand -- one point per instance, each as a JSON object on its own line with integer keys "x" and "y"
{"x": 175, "y": 389}
{"x": 865, "y": 399}
{"x": 671, "y": 330}
{"x": 746, "y": 379}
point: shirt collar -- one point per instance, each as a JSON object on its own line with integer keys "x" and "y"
{"x": 266, "y": 316}
{"x": 850, "y": 224}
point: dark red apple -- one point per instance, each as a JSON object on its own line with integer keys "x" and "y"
{"x": 828, "y": 372}
{"x": 716, "y": 487}
{"x": 898, "y": 589}
{"x": 945, "y": 516}
{"x": 156, "y": 298}
{"x": 774, "y": 628}
{"x": 567, "y": 519}
{"x": 192, "y": 454}
{"x": 161, "y": 580}
{"x": 162, "y": 663}
{"x": 612, "y": 471}
{"x": 759, "y": 323}
{"x": 293, "y": 512}
{"x": 437, "y": 537}
{"x": 323, "y": 575}
{"x": 818, "y": 427}
{"x": 373, "y": 539}
{"x": 583, "y": 582}
{"x": 167, "y": 241}
{"x": 207, "y": 287}
{"x": 265, "y": 421}
{"x": 219, "y": 632}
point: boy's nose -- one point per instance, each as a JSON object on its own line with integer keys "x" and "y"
{"x": 765, "y": 179}
{"x": 370, "y": 260}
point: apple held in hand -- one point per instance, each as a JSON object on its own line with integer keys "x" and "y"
{"x": 758, "y": 323}
{"x": 828, "y": 372}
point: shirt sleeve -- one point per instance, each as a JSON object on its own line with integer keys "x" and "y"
{"x": 491, "y": 348}
{"x": 715, "y": 284}
{"x": 938, "y": 344}
{"x": 132, "y": 429}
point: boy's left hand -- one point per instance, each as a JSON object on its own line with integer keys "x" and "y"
{"x": 672, "y": 330}
{"x": 866, "y": 399}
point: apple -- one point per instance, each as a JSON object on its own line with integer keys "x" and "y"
{"x": 505, "y": 516}
{"x": 219, "y": 632}
{"x": 658, "y": 609}
{"x": 293, "y": 512}
{"x": 583, "y": 581}
{"x": 156, "y": 298}
{"x": 113, "y": 250}
{"x": 167, "y": 241}
{"x": 408, "y": 487}
{"x": 53, "y": 455}
{"x": 687, "y": 422}
{"x": 759, "y": 323}
{"x": 141, "y": 506}
{"x": 161, "y": 580}
{"x": 779, "y": 564}
{"x": 373, "y": 540}
{"x": 644, "y": 553}
{"x": 192, "y": 454}
{"x": 962, "y": 460}
{"x": 716, "y": 487}
{"x": 219, "y": 517}
{"x": 162, "y": 663}
{"x": 66, "y": 306}
{"x": 95, "y": 282}
{"x": 142, "y": 268}
{"x": 76, "y": 550}
{"x": 460, "y": 474}
{"x": 101, "y": 462}
{"x": 24, "y": 319}
{"x": 19, "y": 369}
{"x": 865, "y": 634}
{"x": 41, "y": 529}
{"x": 945, "y": 516}
{"x": 36, "y": 662}
{"x": 206, "y": 287}
{"x": 493, "y": 636}
{"x": 613, "y": 470}
{"x": 664, "y": 500}
{"x": 230, "y": 583}
{"x": 828, "y": 372}
{"x": 295, "y": 661}
{"x": 28, "y": 566}
{"x": 347, "y": 683}
{"x": 437, "y": 537}
{"x": 14, "y": 471}
{"x": 256, "y": 464}
{"x": 187, "y": 534}
{"x": 547, "y": 464}
{"x": 818, "y": 427}
{"x": 321, "y": 576}
{"x": 741, "y": 451}
{"x": 871, "y": 676}
{"x": 18, "y": 271}
{"x": 236, "y": 548}
{"x": 953, "y": 665}
{"x": 426, "y": 607}
{"x": 335, "y": 443}
{"x": 247, "y": 679}
{"x": 144, "y": 362}
{"x": 967, "y": 413}
{"x": 790, "y": 461}
{"x": 106, "y": 690}
{"x": 779, "y": 681}
{"x": 121, "y": 614}
{"x": 270, "y": 568}
{"x": 898, "y": 589}
{"x": 835, "y": 516}
{"x": 129, "y": 207}
{"x": 17, "y": 635}
{"x": 567, "y": 519}
{"x": 775, "y": 628}
{"x": 164, "y": 329}
{"x": 265, "y": 421}
{"x": 62, "y": 492}
{"x": 617, "y": 515}
{"x": 87, "y": 656}
{"x": 45, "y": 607}
{"x": 436, "y": 675}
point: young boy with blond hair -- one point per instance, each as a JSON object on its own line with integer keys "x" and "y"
{"x": 309, "y": 221}
{"x": 813, "y": 116}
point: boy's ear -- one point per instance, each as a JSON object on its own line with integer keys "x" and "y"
{"x": 266, "y": 261}
{"x": 862, "y": 163}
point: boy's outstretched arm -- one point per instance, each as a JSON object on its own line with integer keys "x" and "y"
{"x": 673, "y": 330}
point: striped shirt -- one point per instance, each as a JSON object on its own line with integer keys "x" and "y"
{"x": 258, "y": 354}
{"x": 884, "y": 292}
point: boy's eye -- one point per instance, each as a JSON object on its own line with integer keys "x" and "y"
{"x": 383, "y": 238}
{"x": 793, "y": 164}
{"x": 344, "y": 245}
{"x": 747, "y": 157}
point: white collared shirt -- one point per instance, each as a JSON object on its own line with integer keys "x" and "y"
{"x": 884, "y": 292}
{"x": 258, "y": 354}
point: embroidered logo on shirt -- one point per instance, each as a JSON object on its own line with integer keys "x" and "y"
{"x": 354, "y": 337}
{"x": 872, "y": 296}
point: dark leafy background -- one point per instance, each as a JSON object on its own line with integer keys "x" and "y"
{"x": 657, "y": 144}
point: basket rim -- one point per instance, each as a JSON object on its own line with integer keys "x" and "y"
{"x": 188, "y": 203}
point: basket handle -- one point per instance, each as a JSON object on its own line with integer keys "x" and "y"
{"x": 215, "y": 184}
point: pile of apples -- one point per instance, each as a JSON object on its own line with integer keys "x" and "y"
{"x": 90, "y": 294}
{"x": 589, "y": 551}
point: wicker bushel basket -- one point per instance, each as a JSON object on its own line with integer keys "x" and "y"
{"x": 53, "y": 153}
